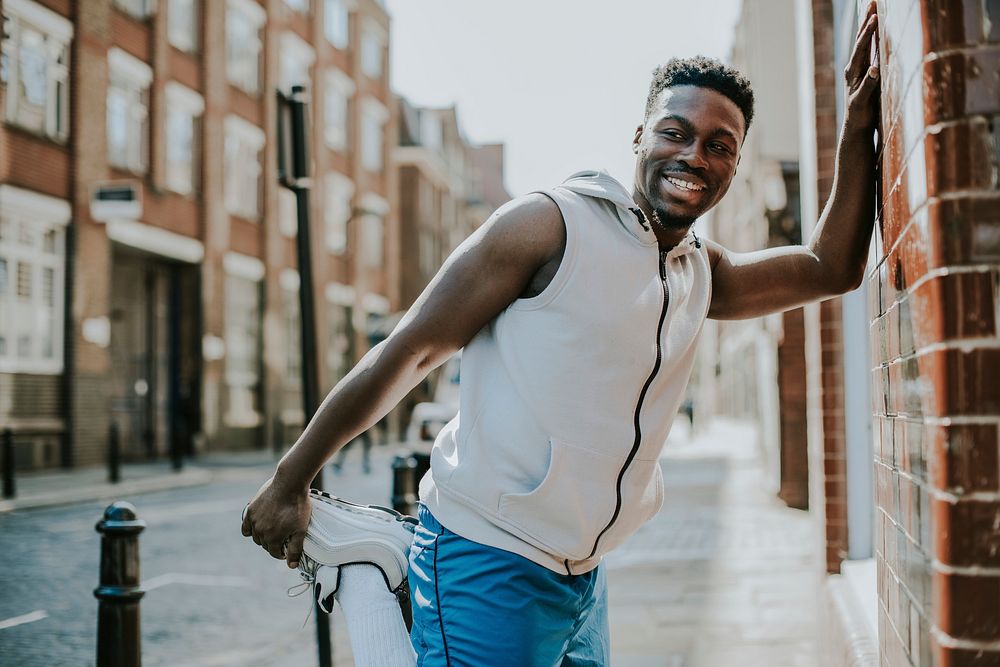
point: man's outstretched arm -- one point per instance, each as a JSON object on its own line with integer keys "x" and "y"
{"x": 758, "y": 283}
{"x": 481, "y": 278}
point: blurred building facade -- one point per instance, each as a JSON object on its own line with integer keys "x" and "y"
{"x": 756, "y": 368}
{"x": 178, "y": 321}
{"x": 900, "y": 377}
{"x": 447, "y": 188}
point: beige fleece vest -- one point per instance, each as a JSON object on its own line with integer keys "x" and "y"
{"x": 567, "y": 397}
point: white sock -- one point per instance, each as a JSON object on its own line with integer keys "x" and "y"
{"x": 374, "y": 621}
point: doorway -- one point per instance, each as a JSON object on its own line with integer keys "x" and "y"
{"x": 156, "y": 361}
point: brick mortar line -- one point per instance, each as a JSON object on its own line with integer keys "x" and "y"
{"x": 932, "y": 274}
{"x": 940, "y": 494}
{"x": 944, "y": 639}
{"x": 938, "y": 420}
{"x": 960, "y": 344}
{"x": 951, "y": 195}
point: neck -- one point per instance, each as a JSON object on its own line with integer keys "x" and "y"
{"x": 667, "y": 236}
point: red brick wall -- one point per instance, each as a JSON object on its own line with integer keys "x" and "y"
{"x": 935, "y": 339}
{"x": 826, "y": 375}
{"x": 794, "y": 468}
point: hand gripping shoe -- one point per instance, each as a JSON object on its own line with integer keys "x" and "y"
{"x": 343, "y": 533}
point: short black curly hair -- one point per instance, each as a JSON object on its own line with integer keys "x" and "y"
{"x": 707, "y": 73}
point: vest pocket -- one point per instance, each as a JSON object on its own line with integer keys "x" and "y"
{"x": 574, "y": 501}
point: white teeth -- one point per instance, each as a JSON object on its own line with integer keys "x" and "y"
{"x": 685, "y": 185}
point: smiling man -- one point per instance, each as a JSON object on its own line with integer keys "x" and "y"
{"x": 579, "y": 309}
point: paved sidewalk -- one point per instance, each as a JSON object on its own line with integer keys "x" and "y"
{"x": 724, "y": 575}
{"x": 66, "y": 487}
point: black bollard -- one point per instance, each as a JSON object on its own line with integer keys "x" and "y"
{"x": 114, "y": 455}
{"x": 9, "y": 463}
{"x": 118, "y": 639}
{"x": 404, "y": 497}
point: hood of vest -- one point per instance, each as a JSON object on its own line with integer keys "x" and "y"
{"x": 600, "y": 184}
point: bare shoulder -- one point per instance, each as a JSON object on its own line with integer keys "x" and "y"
{"x": 715, "y": 252}
{"x": 530, "y": 226}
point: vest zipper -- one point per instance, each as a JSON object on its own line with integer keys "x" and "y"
{"x": 642, "y": 398}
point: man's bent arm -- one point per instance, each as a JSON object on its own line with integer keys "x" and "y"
{"x": 485, "y": 274}
{"x": 481, "y": 278}
{"x": 758, "y": 283}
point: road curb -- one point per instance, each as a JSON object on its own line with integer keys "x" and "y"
{"x": 191, "y": 477}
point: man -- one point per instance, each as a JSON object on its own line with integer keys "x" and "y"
{"x": 578, "y": 310}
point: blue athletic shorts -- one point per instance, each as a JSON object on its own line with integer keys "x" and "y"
{"x": 478, "y": 606}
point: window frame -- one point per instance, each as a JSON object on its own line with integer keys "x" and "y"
{"x": 182, "y": 100}
{"x": 341, "y": 37}
{"x": 339, "y": 88}
{"x": 57, "y": 34}
{"x": 132, "y": 78}
{"x": 255, "y": 16}
{"x": 338, "y": 194}
{"x": 184, "y": 38}
{"x": 142, "y": 13}
{"x": 243, "y": 272}
{"x": 373, "y": 111}
{"x": 249, "y": 139}
{"x": 43, "y": 214}
{"x": 373, "y": 34}
{"x": 294, "y": 48}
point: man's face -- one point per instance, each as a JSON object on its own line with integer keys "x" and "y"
{"x": 687, "y": 149}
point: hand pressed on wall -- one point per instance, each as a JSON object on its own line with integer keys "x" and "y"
{"x": 862, "y": 77}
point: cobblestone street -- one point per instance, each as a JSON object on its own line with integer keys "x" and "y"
{"x": 215, "y": 599}
{"x": 720, "y": 577}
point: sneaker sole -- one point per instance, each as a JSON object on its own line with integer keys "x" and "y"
{"x": 343, "y": 533}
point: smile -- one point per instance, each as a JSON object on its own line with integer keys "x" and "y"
{"x": 684, "y": 185}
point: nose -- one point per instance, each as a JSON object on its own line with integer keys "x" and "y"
{"x": 692, "y": 157}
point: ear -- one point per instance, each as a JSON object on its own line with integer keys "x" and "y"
{"x": 636, "y": 139}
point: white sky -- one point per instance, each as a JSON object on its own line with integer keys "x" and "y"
{"x": 561, "y": 82}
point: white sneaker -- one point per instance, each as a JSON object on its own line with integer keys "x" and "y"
{"x": 343, "y": 533}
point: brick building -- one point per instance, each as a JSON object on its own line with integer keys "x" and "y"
{"x": 901, "y": 397}
{"x": 447, "y": 188}
{"x": 178, "y": 321}
{"x": 756, "y": 368}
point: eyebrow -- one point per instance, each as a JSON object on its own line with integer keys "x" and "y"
{"x": 689, "y": 127}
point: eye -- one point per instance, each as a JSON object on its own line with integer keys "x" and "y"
{"x": 720, "y": 148}
{"x": 673, "y": 134}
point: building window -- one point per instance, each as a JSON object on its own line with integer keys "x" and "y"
{"x": 34, "y": 65}
{"x": 128, "y": 111}
{"x": 372, "y": 50}
{"x": 336, "y": 23}
{"x": 32, "y": 265}
{"x": 339, "y": 89}
{"x": 428, "y": 256}
{"x": 373, "y": 118}
{"x": 289, "y": 281}
{"x": 140, "y": 9}
{"x": 243, "y": 338}
{"x": 296, "y": 58}
{"x": 340, "y": 347}
{"x": 339, "y": 192}
{"x": 184, "y": 109}
{"x": 372, "y": 241}
{"x": 288, "y": 223}
{"x": 244, "y": 142}
{"x": 300, "y": 6}
{"x": 182, "y": 25}
{"x": 244, "y": 19}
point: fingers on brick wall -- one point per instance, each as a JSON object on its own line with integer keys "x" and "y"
{"x": 934, "y": 334}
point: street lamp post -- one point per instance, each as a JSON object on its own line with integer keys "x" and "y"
{"x": 293, "y": 173}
